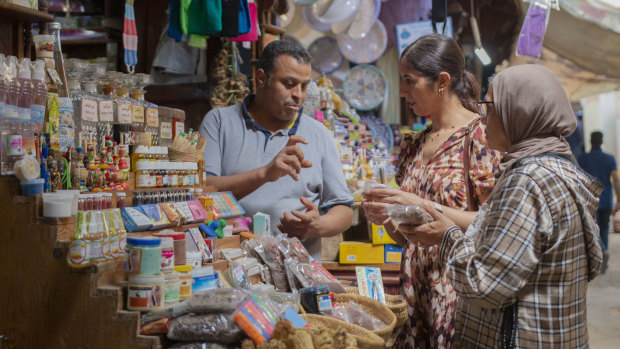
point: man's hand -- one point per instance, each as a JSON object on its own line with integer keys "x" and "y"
{"x": 392, "y": 196}
{"x": 302, "y": 225}
{"x": 289, "y": 161}
{"x": 428, "y": 234}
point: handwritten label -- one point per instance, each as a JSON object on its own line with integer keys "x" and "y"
{"x": 165, "y": 130}
{"x": 106, "y": 111}
{"x": 180, "y": 128}
{"x": 89, "y": 110}
{"x": 124, "y": 113}
{"x": 152, "y": 117}
{"x": 137, "y": 113}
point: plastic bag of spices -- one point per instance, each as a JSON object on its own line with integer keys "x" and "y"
{"x": 411, "y": 215}
{"x": 270, "y": 253}
{"x": 205, "y": 327}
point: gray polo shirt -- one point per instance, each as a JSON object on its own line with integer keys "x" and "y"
{"x": 236, "y": 144}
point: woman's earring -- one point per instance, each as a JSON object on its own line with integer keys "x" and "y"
{"x": 440, "y": 91}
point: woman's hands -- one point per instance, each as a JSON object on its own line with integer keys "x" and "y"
{"x": 428, "y": 234}
{"x": 378, "y": 199}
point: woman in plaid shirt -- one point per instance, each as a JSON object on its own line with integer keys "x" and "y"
{"x": 521, "y": 270}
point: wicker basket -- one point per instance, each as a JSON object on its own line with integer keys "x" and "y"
{"x": 396, "y": 304}
{"x": 179, "y": 156}
{"x": 365, "y": 338}
{"x": 375, "y": 309}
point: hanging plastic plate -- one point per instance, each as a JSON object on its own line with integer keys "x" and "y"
{"x": 326, "y": 58}
{"x": 364, "y": 19}
{"x": 367, "y": 49}
{"x": 365, "y": 87}
{"x": 312, "y": 21}
{"x": 381, "y": 131}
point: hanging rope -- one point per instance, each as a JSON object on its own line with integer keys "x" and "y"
{"x": 130, "y": 37}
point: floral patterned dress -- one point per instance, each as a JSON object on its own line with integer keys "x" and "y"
{"x": 430, "y": 297}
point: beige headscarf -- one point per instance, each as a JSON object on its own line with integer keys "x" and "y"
{"x": 534, "y": 112}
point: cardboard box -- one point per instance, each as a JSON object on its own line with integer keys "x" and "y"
{"x": 393, "y": 253}
{"x": 380, "y": 236}
{"x": 353, "y": 252}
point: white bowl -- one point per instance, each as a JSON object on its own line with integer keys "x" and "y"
{"x": 338, "y": 10}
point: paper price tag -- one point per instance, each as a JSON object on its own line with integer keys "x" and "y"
{"x": 106, "y": 111}
{"x": 152, "y": 117}
{"x": 137, "y": 113}
{"x": 165, "y": 130}
{"x": 89, "y": 110}
{"x": 124, "y": 113}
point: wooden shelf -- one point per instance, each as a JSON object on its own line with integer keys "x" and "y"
{"x": 23, "y": 14}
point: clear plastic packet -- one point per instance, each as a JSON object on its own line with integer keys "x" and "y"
{"x": 371, "y": 184}
{"x": 205, "y": 327}
{"x": 257, "y": 316}
{"x": 293, "y": 282}
{"x": 219, "y": 300}
{"x": 532, "y": 33}
{"x": 352, "y": 313}
{"x": 293, "y": 248}
{"x": 411, "y": 215}
{"x": 270, "y": 253}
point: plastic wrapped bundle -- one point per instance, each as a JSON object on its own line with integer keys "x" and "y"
{"x": 211, "y": 327}
{"x": 411, "y": 215}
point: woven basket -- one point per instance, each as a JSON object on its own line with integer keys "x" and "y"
{"x": 179, "y": 156}
{"x": 396, "y": 304}
{"x": 375, "y": 309}
{"x": 365, "y": 338}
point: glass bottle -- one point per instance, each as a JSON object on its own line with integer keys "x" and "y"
{"x": 122, "y": 111}
{"x": 137, "y": 107}
{"x": 165, "y": 126}
{"x": 54, "y": 29}
{"x": 107, "y": 86}
{"x": 89, "y": 87}
{"x": 95, "y": 236}
{"x": 143, "y": 175}
{"x": 52, "y": 167}
{"x": 151, "y": 111}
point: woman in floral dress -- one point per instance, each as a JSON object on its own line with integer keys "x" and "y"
{"x": 431, "y": 170}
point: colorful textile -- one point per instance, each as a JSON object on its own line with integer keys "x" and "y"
{"x": 130, "y": 37}
{"x": 431, "y": 300}
{"x": 522, "y": 268}
{"x": 252, "y": 35}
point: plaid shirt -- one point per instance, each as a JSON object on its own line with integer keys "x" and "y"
{"x": 522, "y": 268}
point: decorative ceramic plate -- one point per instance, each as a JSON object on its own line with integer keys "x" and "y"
{"x": 367, "y": 49}
{"x": 381, "y": 131}
{"x": 364, "y": 19}
{"x": 334, "y": 11}
{"x": 365, "y": 87}
{"x": 326, "y": 58}
{"x": 312, "y": 21}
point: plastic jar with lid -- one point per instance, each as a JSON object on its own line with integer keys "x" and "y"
{"x": 165, "y": 178}
{"x": 145, "y": 292}
{"x": 167, "y": 254}
{"x": 185, "y": 277}
{"x": 172, "y": 288}
{"x": 180, "y": 249}
{"x": 187, "y": 176}
{"x": 121, "y": 200}
{"x": 173, "y": 174}
{"x": 143, "y": 175}
{"x": 157, "y": 173}
{"x": 164, "y": 154}
{"x": 180, "y": 173}
{"x": 143, "y": 255}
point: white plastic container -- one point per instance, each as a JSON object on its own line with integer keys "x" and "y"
{"x": 145, "y": 292}
{"x": 58, "y": 205}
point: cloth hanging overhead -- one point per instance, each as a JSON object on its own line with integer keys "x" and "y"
{"x": 130, "y": 37}
{"x": 201, "y": 17}
{"x": 252, "y": 35}
{"x": 230, "y": 18}
{"x": 174, "y": 24}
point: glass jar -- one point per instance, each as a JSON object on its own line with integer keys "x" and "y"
{"x": 178, "y": 122}
{"x": 140, "y": 154}
{"x": 165, "y": 126}
{"x": 145, "y": 292}
{"x": 186, "y": 280}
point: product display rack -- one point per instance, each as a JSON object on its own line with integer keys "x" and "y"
{"x": 46, "y": 303}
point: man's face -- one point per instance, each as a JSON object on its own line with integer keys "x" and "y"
{"x": 284, "y": 90}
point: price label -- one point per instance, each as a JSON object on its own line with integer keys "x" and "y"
{"x": 137, "y": 113}
{"x": 106, "y": 111}
{"x": 124, "y": 113}
{"x": 165, "y": 130}
{"x": 89, "y": 110}
{"x": 152, "y": 117}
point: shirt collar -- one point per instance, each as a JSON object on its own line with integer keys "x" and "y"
{"x": 292, "y": 129}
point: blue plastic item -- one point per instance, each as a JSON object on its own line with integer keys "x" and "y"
{"x": 32, "y": 186}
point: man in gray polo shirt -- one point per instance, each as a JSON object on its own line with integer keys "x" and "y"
{"x": 275, "y": 159}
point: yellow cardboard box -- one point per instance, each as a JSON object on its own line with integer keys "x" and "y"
{"x": 353, "y": 252}
{"x": 380, "y": 236}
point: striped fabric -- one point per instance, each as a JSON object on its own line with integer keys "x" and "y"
{"x": 527, "y": 259}
{"x": 130, "y": 37}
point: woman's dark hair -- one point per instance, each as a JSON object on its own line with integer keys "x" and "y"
{"x": 432, "y": 54}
